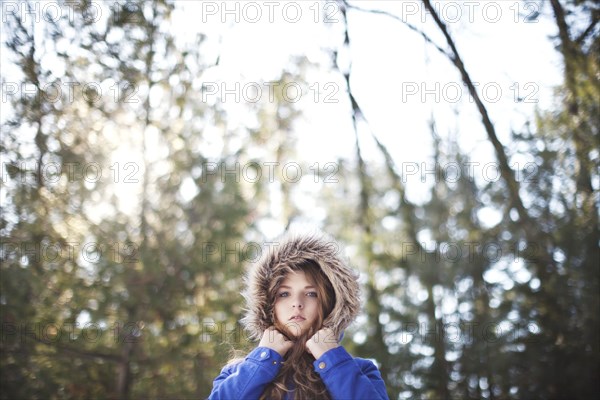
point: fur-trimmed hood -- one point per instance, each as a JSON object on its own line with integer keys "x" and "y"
{"x": 294, "y": 248}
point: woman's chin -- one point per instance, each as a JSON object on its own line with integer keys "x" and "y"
{"x": 296, "y": 329}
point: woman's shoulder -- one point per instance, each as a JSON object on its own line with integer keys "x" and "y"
{"x": 366, "y": 364}
{"x": 339, "y": 355}
{"x": 259, "y": 354}
{"x": 363, "y": 361}
{"x": 233, "y": 363}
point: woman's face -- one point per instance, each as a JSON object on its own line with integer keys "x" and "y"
{"x": 296, "y": 303}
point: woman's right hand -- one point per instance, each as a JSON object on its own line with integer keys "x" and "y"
{"x": 275, "y": 340}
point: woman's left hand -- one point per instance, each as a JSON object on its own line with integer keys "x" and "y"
{"x": 320, "y": 342}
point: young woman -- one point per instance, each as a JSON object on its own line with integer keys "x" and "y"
{"x": 300, "y": 296}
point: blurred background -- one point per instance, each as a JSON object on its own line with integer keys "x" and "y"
{"x": 150, "y": 149}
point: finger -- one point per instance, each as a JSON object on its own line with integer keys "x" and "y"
{"x": 269, "y": 329}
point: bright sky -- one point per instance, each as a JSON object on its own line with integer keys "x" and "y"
{"x": 398, "y": 80}
{"x": 394, "y": 74}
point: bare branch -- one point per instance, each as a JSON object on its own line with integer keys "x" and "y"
{"x": 505, "y": 170}
{"x": 588, "y": 30}
{"x": 407, "y": 24}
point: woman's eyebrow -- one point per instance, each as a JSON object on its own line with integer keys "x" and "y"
{"x": 289, "y": 287}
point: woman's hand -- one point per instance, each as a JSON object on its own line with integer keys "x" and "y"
{"x": 321, "y": 341}
{"x": 275, "y": 340}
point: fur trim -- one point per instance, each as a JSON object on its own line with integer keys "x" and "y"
{"x": 294, "y": 248}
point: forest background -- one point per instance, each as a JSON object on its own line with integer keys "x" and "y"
{"x": 149, "y": 151}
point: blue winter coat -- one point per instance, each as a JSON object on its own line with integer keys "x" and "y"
{"x": 345, "y": 377}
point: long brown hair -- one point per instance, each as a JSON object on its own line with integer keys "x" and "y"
{"x": 297, "y": 370}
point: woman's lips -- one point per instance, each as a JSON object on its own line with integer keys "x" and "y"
{"x": 297, "y": 318}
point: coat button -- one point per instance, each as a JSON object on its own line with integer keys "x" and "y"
{"x": 322, "y": 365}
{"x": 263, "y": 354}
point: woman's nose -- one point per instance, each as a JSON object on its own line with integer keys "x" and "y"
{"x": 297, "y": 303}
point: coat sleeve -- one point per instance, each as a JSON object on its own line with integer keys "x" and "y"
{"x": 348, "y": 378}
{"x": 247, "y": 380}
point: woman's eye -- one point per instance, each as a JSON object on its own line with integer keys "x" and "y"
{"x": 311, "y": 294}
{"x": 283, "y": 294}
